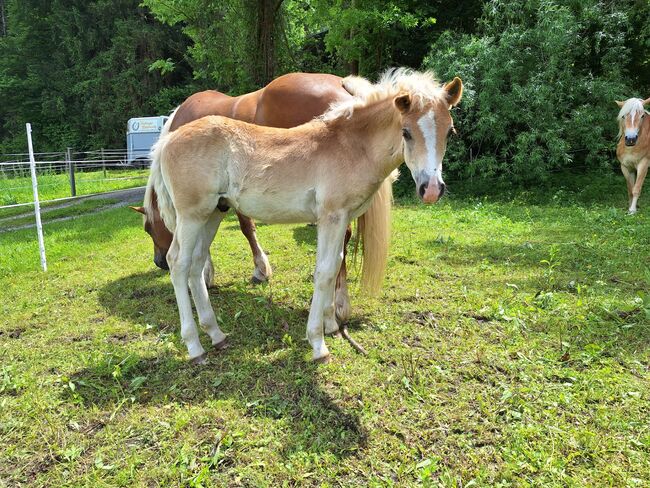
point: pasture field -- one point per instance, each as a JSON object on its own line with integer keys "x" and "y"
{"x": 57, "y": 185}
{"x": 509, "y": 347}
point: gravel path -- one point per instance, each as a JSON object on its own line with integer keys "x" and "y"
{"x": 123, "y": 197}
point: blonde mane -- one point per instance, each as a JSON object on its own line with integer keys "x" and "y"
{"x": 631, "y": 105}
{"x": 422, "y": 86}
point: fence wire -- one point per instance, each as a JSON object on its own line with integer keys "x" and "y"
{"x": 62, "y": 175}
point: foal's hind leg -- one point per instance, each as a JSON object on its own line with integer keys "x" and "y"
{"x": 262, "y": 271}
{"x": 179, "y": 258}
{"x": 342, "y": 297}
{"x": 207, "y": 319}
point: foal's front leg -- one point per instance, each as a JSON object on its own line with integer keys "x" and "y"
{"x": 329, "y": 254}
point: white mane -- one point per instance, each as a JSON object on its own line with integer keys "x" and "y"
{"x": 422, "y": 86}
{"x": 631, "y": 106}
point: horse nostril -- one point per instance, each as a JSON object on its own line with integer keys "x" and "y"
{"x": 442, "y": 189}
{"x": 423, "y": 188}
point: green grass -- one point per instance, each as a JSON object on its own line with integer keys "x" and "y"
{"x": 51, "y": 186}
{"x": 510, "y": 347}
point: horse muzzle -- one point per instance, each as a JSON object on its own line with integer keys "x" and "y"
{"x": 161, "y": 261}
{"x": 432, "y": 191}
{"x": 631, "y": 141}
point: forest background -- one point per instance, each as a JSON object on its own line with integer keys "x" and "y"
{"x": 541, "y": 76}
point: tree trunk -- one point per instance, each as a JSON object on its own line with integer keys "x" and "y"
{"x": 354, "y": 63}
{"x": 267, "y": 13}
{"x": 3, "y": 19}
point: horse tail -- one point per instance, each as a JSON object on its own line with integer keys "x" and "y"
{"x": 373, "y": 227}
{"x": 157, "y": 194}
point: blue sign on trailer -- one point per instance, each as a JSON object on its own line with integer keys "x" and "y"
{"x": 141, "y": 134}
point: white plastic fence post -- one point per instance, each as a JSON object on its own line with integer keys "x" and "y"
{"x": 37, "y": 206}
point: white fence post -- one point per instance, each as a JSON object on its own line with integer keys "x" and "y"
{"x": 37, "y": 206}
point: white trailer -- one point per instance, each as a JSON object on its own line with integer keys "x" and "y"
{"x": 141, "y": 134}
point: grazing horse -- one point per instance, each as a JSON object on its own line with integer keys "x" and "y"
{"x": 288, "y": 101}
{"x": 633, "y": 149}
{"x": 326, "y": 171}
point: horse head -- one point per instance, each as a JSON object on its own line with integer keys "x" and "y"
{"x": 426, "y": 124}
{"x": 630, "y": 119}
{"x": 160, "y": 235}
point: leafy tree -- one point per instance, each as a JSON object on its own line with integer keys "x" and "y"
{"x": 79, "y": 69}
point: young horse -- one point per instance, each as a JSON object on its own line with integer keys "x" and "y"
{"x": 326, "y": 171}
{"x": 633, "y": 150}
{"x": 287, "y": 101}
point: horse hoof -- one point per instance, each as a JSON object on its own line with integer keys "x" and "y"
{"x": 337, "y": 334}
{"x": 324, "y": 360}
{"x": 199, "y": 360}
{"x": 257, "y": 281}
{"x": 220, "y": 346}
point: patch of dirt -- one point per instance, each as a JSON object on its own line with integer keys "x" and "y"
{"x": 481, "y": 319}
{"x": 13, "y": 333}
{"x": 423, "y": 318}
{"x": 119, "y": 338}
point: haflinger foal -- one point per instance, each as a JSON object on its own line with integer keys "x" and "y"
{"x": 633, "y": 149}
{"x": 325, "y": 171}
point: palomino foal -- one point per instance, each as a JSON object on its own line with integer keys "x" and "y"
{"x": 633, "y": 149}
{"x": 326, "y": 171}
{"x": 288, "y": 101}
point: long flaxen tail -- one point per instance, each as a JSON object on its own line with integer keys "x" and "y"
{"x": 156, "y": 187}
{"x": 374, "y": 231}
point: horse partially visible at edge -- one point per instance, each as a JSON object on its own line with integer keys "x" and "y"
{"x": 326, "y": 171}
{"x": 633, "y": 149}
{"x": 288, "y": 101}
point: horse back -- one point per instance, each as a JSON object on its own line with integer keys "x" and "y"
{"x": 296, "y": 98}
{"x": 212, "y": 102}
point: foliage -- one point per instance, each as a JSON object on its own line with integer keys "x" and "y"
{"x": 508, "y": 348}
{"x": 541, "y": 77}
{"x": 77, "y": 70}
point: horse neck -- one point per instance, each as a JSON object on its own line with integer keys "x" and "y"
{"x": 375, "y": 131}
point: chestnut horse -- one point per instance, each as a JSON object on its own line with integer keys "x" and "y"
{"x": 325, "y": 171}
{"x": 288, "y": 101}
{"x": 633, "y": 149}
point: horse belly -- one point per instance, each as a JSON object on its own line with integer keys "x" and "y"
{"x": 279, "y": 208}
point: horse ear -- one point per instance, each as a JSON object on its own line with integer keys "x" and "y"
{"x": 137, "y": 209}
{"x": 454, "y": 91}
{"x": 620, "y": 104}
{"x": 646, "y": 101}
{"x": 403, "y": 102}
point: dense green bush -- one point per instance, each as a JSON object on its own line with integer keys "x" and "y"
{"x": 541, "y": 77}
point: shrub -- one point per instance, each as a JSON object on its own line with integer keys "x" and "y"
{"x": 541, "y": 77}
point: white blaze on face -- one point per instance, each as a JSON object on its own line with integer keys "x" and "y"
{"x": 631, "y": 129}
{"x": 427, "y": 124}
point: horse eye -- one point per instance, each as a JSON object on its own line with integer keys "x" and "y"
{"x": 406, "y": 134}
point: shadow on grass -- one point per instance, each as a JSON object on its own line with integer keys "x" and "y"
{"x": 305, "y": 234}
{"x": 262, "y": 371}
